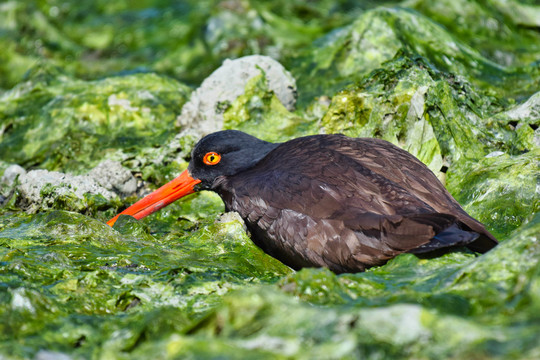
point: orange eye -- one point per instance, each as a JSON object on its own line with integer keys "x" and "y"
{"x": 211, "y": 158}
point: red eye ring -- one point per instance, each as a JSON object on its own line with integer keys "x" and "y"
{"x": 211, "y": 158}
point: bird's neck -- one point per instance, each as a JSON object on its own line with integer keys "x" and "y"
{"x": 226, "y": 192}
{"x": 222, "y": 184}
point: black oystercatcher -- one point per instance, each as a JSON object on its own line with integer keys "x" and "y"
{"x": 326, "y": 200}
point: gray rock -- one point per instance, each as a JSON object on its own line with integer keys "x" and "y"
{"x": 51, "y": 355}
{"x": 201, "y": 116}
{"x": 32, "y": 183}
{"x": 113, "y": 177}
{"x": 526, "y": 113}
{"x": 529, "y": 110}
{"x": 11, "y": 173}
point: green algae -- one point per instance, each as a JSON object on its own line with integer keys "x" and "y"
{"x": 186, "y": 39}
{"x": 443, "y": 284}
{"x": 429, "y": 114}
{"x": 474, "y": 22}
{"x": 404, "y": 311}
{"x": 433, "y": 78}
{"x": 66, "y": 199}
{"x": 82, "y": 288}
{"x": 90, "y": 119}
{"x": 260, "y": 113}
{"x": 506, "y": 185}
{"x": 349, "y": 53}
{"x": 434, "y": 116}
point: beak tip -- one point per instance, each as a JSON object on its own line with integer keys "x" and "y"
{"x": 181, "y": 186}
{"x": 112, "y": 221}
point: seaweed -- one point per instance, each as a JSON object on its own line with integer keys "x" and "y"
{"x": 454, "y": 83}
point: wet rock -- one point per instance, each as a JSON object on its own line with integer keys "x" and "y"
{"x": 11, "y": 173}
{"x": 114, "y": 177}
{"x": 345, "y": 55}
{"x": 203, "y": 113}
{"x": 260, "y": 113}
{"x": 51, "y": 355}
{"x": 524, "y": 120}
{"x": 232, "y": 216}
{"x": 499, "y": 190}
{"x": 91, "y": 119}
{"x": 528, "y": 112}
{"x": 42, "y": 189}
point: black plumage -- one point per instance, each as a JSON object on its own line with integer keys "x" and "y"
{"x": 334, "y": 201}
{"x": 326, "y": 200}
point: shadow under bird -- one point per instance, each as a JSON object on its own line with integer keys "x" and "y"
{"x": 326, "y": 200}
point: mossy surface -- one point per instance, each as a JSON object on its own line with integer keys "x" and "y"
{"x": 453, "y": 82}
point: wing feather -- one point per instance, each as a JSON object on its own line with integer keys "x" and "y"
{"x": 345, "y": 203}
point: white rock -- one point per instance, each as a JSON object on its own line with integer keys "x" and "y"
{"x": 51, "y": 355}
{"x": 232, "y": 216}
{"x": 199, "y": 115}
{"x": 526, "y": 110}
{"x": 114, "y": 177}
{"x": 11, "y": 173}
{"x": 33, "y": 182}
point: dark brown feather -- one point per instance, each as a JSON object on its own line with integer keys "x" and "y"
{"x": 347, "y": 204}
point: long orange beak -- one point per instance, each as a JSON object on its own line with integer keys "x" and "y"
{"x": 168, "y": 193}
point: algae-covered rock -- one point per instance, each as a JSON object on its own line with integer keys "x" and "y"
{"x": 43, "y": 190}
{"x": 524, "y": 121}
{"x": 475, "y": 22}
{"x": 11, "y": 173}
{"x": 488, "y": 295}
{"x": 90, "y": 119}
{"x": 430, "y": 114}
{"x": 187, "y": 40}
{"x": 99, "y": 189}
{"x": 113, "y": 177}
{"x": 379, "y": 323}
{"x": 203, "y": 113}
{"x": 441, "y": 283}
{"x": 259, "y": 112}
{"x": 83, "y": 278}
{"x": 349, "y": 53}
{"x": 499, "y": 190}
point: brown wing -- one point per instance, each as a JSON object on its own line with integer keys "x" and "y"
{"x": 412, "y": 175}
{"x": 400, "y": 174}
{"x": 330, "y": 201}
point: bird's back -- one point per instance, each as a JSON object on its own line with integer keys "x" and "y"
{"x": 346, "y": 203}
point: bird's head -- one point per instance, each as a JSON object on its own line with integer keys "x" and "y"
{"x": 223, "y": 153}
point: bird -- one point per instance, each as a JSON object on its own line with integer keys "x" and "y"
{"x": 326, "y": 200}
